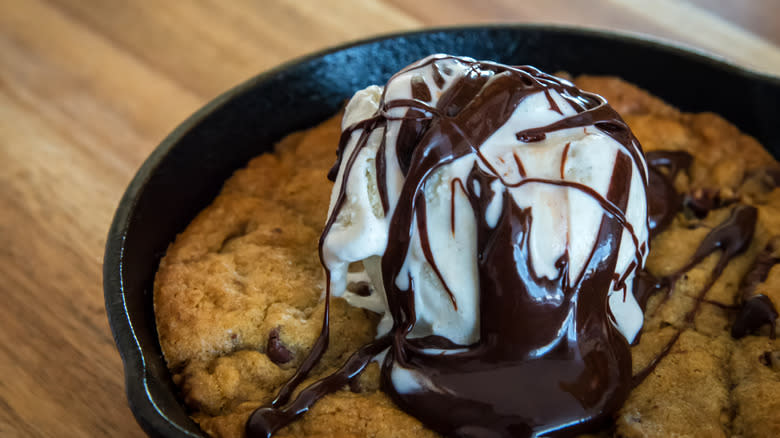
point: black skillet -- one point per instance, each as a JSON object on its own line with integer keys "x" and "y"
{"x": 188, "y": 168}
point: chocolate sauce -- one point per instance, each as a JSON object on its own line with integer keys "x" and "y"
{"x": 553, "y": 105}
{"x": 646, "y": 371}
{"x": 663, "y": 201}
{"x": 731, "y": 237}
{"x": 585, "y": 372}
{"x": 700, "y": 202}
{"x": 520, "y": 167}
{"x": 647, "y": 285}
{"x": 564, "y": 156}
{"x": 757, "y": 309}
{"x": 453, "y": 187}
{"x": 438, "y": 79}
{"x": 268, "y": 419}
{"x": 504, "y": 385}
{"x": 548, "y": 361}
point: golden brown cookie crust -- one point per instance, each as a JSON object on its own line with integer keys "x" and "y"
{"x": 238, "y": 295}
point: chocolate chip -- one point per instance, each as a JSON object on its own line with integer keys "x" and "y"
{"x": 756, "y": 312}
{"x": 362, "y": 288}
{"x": 770, "y": 359}
{"x": 275, "y": 349}
{"x": 277, "y": 230}
{"x": 766, "y": 358}
{"x": 701, "y": 201}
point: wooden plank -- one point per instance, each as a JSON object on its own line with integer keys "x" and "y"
{"x": 89, "y": 88}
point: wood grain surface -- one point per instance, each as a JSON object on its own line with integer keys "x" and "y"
{"x": 88, "y": 89}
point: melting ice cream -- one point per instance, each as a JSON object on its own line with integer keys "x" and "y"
{"x": 500, "y": 214}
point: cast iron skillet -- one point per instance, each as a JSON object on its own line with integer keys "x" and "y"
{"x": 187, "y": 170}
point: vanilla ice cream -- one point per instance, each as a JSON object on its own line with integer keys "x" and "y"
{"x": 566, "y": 219}
{"x": 500, "y": 214}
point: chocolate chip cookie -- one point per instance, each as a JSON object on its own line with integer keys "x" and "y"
{"x": 238, "y": 295}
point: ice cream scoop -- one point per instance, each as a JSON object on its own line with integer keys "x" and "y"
{"x": 442, "y": 256}
{"x": 501, "y": 216}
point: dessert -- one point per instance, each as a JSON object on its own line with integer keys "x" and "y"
{"x": 233, "y": 333}
{"x": 457, "y": 187}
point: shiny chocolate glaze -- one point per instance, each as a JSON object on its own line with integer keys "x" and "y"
{"x": 731, "y": 238}
{"x": 663, "y": 201}
{"x": 757, "y": 309}
{"x": 503, "y": 385}
{"x": 549, "y": 360}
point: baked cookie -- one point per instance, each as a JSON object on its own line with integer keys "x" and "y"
{"x": 238, "y": 295}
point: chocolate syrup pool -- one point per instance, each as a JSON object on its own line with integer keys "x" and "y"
{"x": 549, "y": 360}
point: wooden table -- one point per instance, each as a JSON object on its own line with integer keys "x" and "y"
{"x": 89, "y": 88}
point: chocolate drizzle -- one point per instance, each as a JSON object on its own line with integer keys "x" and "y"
{"x": 453, "y": 187}
{"x": 564, "y": 156}
{"x": 700, "y": 202}
{"x": 757, "y": 309}
{"x": 663, "y": 200}
{"x": 526, "y": 344}
{"x": 265, "y": 421}
{"x": 548, "y": 360}
{"x": 731, "y": 237}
